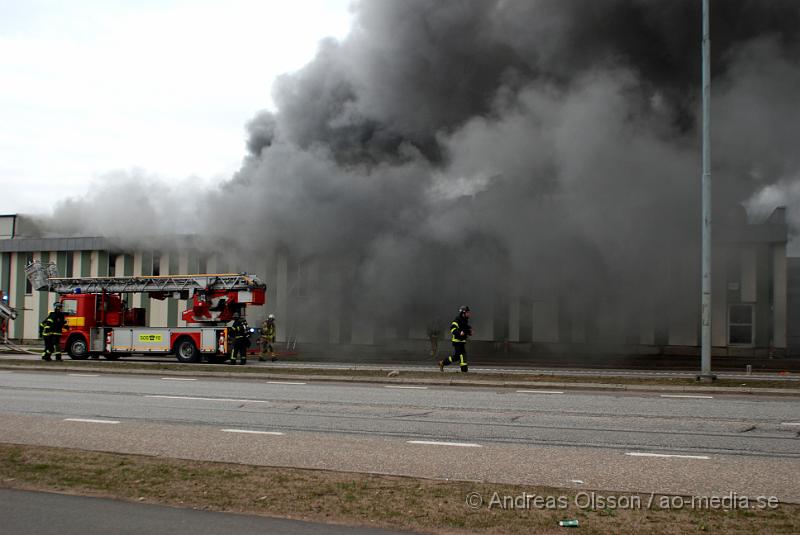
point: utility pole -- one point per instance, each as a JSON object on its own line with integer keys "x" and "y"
{"x": 705, "y": 349}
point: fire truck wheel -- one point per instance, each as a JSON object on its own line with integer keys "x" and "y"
{"x": 76, "y": 348}
{"x": 186, "y": 351}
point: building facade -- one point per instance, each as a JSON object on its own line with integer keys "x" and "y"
{"x": 755, "y": 303}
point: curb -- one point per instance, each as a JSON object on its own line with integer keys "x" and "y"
{"x": 424, "y": 382}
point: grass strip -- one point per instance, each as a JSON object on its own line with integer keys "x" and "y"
{"x": 363, "y": 499}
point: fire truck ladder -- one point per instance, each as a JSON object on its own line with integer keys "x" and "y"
{"x": 45, "y": 277}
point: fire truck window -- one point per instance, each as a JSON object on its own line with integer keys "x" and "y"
{"x": 70, "y": 307}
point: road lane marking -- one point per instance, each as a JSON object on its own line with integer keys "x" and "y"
{"x": 410, "y": 387}
{"x": 539, "y": 392}
{"x": 284, "y": 383}
{"x": 790, "y": 423}
{"x": 578, "y": 481}
{"x": 252, "y": 432}
{"x": 685, "y": 396}
{"x": 178, "y": 379}
{"x": 83, "y": 375}
{"x": 208, "y": 399}
{"x": 437, "y": 443}
{"x": 90, "y": 421}
{"x": 665, "y": 455}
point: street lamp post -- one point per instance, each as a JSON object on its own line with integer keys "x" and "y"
{"x": 705, "y": 350}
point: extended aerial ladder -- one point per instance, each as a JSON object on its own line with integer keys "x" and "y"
{"x": 100, "y": 322}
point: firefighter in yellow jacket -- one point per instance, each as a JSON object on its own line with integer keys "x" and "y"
{"x": 268, "y": 338}
{"x": 460, "y": 330}
{"x": 50, "y": 330}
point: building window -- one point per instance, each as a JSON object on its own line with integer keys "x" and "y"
{"x": 301, "y": 281}
{"x": 202, "y": 265}
{"x": 112, "y": 265}
{"x": 740, "y": 325}
{"x": 70, "y": 264}
{"x": 156, "y": 264}
{"x": 28, "y": 287}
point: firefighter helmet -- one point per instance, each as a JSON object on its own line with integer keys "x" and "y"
{"x": 463, "y": 309}
{"x": 271, "y": 317}
{"x": 57, "y": 305}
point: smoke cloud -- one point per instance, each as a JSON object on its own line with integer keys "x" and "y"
{"x": 450, "y": 151}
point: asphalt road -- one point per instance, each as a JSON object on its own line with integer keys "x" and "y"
{"x": 646, "y": 442}
{"x": 41, "y": 513}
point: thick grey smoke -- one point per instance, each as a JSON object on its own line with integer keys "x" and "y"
{"x": 455, "y": 150}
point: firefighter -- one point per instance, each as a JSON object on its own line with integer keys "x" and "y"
{"x": 50, "y": 330}
{"x": 240, "y": 333}
{"x": 460, "y": 330}
{"x": 268, "y": 338}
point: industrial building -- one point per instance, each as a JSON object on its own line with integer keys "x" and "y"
{"x": 756, "y": 299}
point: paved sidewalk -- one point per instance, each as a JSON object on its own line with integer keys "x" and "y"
{"x": 478, "y": 378}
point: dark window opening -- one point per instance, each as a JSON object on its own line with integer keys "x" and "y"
{"x": 28, "y": 286}
{"x": 156, "y": 264}
{"x": 740, "y": 325}
{"x": 112, "y": 265}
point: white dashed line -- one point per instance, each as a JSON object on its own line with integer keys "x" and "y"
{"x": 208, "y": 399}
{"x": 251, "y": 432}
{"x": 284, "y": 383}
{"x": 539, "y": 392}
{"x": 83, "y": 375}
{"x": 407, "y": 387}
{"x": 178, "y": 379}
{"x": 578, "y": 481}
{"x": 88, "y": 421}
{"x": 685, "y": 396}
{"x": 436, "y": 443}
{"x": 790, "y": 423}
{"x": 665, "y": 455}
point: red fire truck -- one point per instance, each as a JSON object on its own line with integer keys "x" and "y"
{"x": 99, "y": 321}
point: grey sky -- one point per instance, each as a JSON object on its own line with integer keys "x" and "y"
{"x": 91, "y": 87}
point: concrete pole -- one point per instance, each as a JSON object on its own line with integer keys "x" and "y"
{"x": 705, "y": 350}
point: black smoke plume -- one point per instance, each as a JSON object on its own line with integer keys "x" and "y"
{"x": 451, "y": 151}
